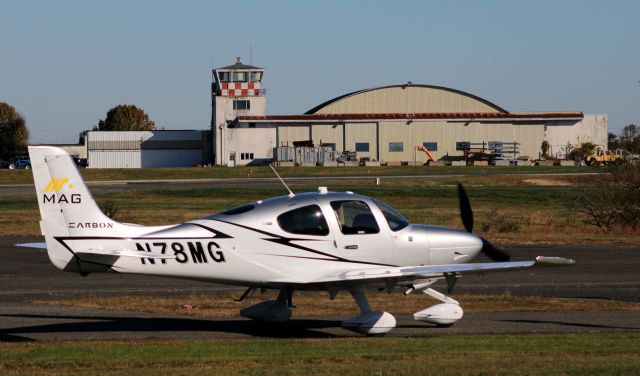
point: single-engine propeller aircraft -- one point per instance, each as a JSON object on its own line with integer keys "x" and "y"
{"x": 325, "y": 241}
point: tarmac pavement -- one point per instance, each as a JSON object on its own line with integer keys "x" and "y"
{"x": 601, "y": 272}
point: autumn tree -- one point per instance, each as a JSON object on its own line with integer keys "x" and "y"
{"x": 126, "y": 118}
{"x": 614, "y": 199}
{"x": 584, "y": 150}
{"x": 630, "y": 138}
{"x": 13, "y": 132}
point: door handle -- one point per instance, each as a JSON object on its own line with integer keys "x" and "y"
{"x": 351, "y": 247}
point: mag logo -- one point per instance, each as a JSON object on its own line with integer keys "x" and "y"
{"x": 59, "y": 191}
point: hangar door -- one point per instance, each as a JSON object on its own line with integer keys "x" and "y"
{"x": 363, "y": 139}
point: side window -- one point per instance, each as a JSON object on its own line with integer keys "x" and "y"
{"x": 355, "y": 217}
{"x": 395, "y": 220}
{"x": 307, "y": 220}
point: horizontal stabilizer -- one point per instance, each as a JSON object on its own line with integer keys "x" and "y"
{"x": 32, "y": 245}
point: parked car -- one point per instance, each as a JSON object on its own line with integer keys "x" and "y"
{"x": 23, "y": 164}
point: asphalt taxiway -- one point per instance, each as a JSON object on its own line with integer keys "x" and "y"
{"x": 602, "y": 272}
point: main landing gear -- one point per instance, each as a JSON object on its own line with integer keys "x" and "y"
{"x": 278, "y": 310}
{"x": 368, "y": 322}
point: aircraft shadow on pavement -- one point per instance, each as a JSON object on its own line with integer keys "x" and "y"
{"x": 574, "y": 324}
{"x": 149, "y": 327}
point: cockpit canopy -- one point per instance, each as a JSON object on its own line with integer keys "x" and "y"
{"x": 353, "y": 214}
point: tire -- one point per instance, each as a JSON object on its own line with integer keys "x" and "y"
{"x": 593, "y": 162}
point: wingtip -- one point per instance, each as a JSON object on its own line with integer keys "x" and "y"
{"x": 560, "y": 261}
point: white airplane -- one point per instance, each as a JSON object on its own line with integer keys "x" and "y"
{"x": 323, "y": 241}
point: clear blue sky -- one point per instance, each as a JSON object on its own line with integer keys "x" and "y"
{"x": 63, "y": 64}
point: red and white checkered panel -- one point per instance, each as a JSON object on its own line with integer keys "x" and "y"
{"x": 240, "y": 89}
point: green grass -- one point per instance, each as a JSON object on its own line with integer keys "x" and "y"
{"x": 548, "y": 211}
{"x": 24, "y": 176}
{"x": 538, "y": 354}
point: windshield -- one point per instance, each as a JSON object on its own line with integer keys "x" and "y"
{"x": 395, "y": 220}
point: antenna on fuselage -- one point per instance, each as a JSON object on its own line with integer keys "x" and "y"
{"x": 291, "y": 194}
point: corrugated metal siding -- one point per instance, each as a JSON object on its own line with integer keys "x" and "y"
{"x": 289, "y": 133}
{"x": 396, "y": 132}
{"x": 411, "y": 99}
{"x": 361, "y": 132}
{"x": 328, "y": 133}
{"x": 132, "y": 140}
{"x": 170, "y": 158}
{"x": 172, "y": 144}
{"x": 114, "y": 159}
{"x": 135, "y": 149}
{"x": 446, "y": 134}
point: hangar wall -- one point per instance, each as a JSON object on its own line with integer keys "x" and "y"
{"x": 246, "y": 145}
{"x": 389, "y": 123}
{"x": 593, "y": 128}
{"x": 139, "y": 149}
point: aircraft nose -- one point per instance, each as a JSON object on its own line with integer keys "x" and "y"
{"x": 448, "y": 245}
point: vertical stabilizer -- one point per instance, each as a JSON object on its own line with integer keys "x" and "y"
{"x": 66, "y": 206}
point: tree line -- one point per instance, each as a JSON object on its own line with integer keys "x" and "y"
{"x": 628, "y": 140}
{"x": 14, "y": 133}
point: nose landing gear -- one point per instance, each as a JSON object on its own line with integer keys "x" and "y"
{"x": 444, "y": 314}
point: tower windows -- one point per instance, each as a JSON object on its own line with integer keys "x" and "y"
{"x": 239, "y": 77}
{"x": 256, "y": 76}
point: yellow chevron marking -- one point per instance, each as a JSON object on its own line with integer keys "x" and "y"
{"x": 56, "y": 184}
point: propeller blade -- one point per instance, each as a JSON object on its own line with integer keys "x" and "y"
{"x": 465, "y": 209}
{"x": 494, "y": 253}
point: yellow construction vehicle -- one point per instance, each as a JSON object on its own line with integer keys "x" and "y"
{"x": 605, "y": 157}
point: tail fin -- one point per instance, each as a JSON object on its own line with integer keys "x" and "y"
{"x": 66, "y": 206}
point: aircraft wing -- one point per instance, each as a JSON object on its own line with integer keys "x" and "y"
{"x": 380, "y": 274}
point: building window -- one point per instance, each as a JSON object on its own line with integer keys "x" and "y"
{"x": 463, "y": 145}
{"x": 246, "y": 156}
{"x": 362, "y": 147}
{"x": 252, "y": 125}
{"x": 239, "y": 77}
{"x": 224, "y": 76}
{"x": 256, "y": 76}
{"x": 430, "y": 145}
{"x": 396, "y": 146}
{"x": 241, "y": 105}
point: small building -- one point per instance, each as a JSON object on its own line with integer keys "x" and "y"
{"x": 141, "y": 149}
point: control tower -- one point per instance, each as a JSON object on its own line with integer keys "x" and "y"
{"x": 236, "y": 91}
